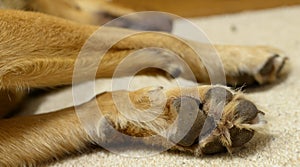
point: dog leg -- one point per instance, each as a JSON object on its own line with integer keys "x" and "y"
{"x": 95, "y": 12}
{"x": 36, "y": 46}
{"x": 241, "y": 64}
{"x": 150, "y": 111}
{"x": 40, "y": 138}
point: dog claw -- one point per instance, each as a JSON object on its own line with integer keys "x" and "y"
{"x": 275, "y": 67}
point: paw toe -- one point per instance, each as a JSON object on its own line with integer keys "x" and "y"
{"x": 189, "y": 121}
{"x": 274, "y": 68}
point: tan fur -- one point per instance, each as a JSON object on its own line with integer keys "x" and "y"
{"x": 60, "y": 133}
{"x": 39, "y": 51}
{"x": 64, "y": 40}
{"x": 87, "y": 11}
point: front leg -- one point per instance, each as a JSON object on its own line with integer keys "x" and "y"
{"x": 33, "y": 140}
{"x": 166, "y": 114}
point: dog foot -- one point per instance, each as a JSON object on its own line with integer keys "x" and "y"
{"x": 273, "y": 68}
{"x": 249, "y": 65}
{"x": 199, "y": 120}
{"x": 220, "y": 120}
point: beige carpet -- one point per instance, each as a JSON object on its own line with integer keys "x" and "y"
{"x": 279, "y": 147}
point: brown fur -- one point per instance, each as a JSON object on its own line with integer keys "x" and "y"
{"x": 87, "y": 11}
{"x": 38, "y": 51}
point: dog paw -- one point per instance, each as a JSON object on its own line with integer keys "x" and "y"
{"x": 220, "y": 120}
{"x": 199, "y": 120}
{"x": 273, "y": 68}
{"x": 249, "y": 65}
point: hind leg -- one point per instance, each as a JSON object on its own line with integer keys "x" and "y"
{"x": 249, "y": 65}
{"x": 50, "y": 51}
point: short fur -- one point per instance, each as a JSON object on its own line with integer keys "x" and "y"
{"x": 39, "y": 51}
